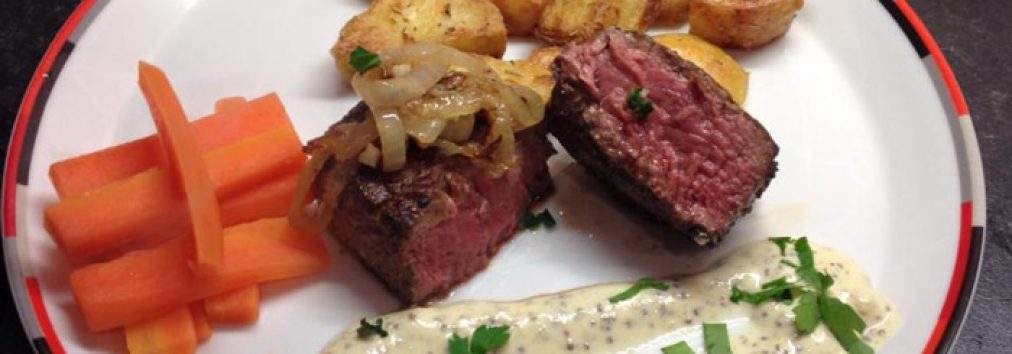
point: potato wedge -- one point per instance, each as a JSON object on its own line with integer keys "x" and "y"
{"x": 672, "y": 12}
{"x": 534, "y": 72}
{"x": 744, "y": 24}
{"x": 469, "y": 25}
{"x": 521, "y": 16}
{"x": 564, "y": 21}
{"x": 712, "y": 60}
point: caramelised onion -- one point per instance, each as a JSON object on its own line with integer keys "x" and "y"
{"x": 459, "y": 130}
{"x": 398, "y": 90}
{"x": 393, "y": 139}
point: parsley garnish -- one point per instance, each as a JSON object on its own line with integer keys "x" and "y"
{"x": 779, "y": 290}
{"x": 362, "y": 60}
{"x": 484, "y": 340}
{"x": 366, "y": 329}
{"x": 715, "y": 338}
{"x": 814, "y": 305}
{"x": 531, "y": 221}
{"x": 678, "y": 348}
{"x": 638, "y": 104}
{"x": 782, "y": 242}
{"x": 641, "y": 284}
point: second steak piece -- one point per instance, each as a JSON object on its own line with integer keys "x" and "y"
{"x": 697, "y": 161}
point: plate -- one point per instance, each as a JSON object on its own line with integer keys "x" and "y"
{"x": 878, "y": 159}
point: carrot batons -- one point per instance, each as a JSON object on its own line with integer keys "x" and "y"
{"x": 171, "y": 333}
{"x": 186, "y": 164}
{"x": 228, "y": 103}
{"x": 80, "y": 174}
{"x": 148, "y": 204}
{"x": 265, "y": 201}
{"x": 201, "y": 327}
{"x": 241, "y": 306}
{"x": 143, "y": 284}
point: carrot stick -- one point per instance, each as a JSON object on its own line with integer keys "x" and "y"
{"x": 170, "y": 333}
{"x": 201, "y": 327}
{"x": 186, "y": 165}
{"x": 228, "y": 103}
{"x": 147, "y": 206}
{"x": 80, "y": 174}
{"x": 266, "y": 201}
{"x": 240, "y": 306}
{"x": 143, "y": 284}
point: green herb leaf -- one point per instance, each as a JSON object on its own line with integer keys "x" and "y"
{"x": 366, "y": 329}
{"x": 779, "y": 290}
{"x": 806, "y": 258}
{"x": 362, "y": 60}
{"x": 636, "y": 288}
{"x": 788, "y": 263}
{"x": 715, "y": 338}
{"x": 818, "y": 280}
{"x": 782, "y": 243}
{"x": 458, "y": 345}
{"x": 806, "y": 313}
{"x": 531, "y": 221}
{"x": 487, "y": 338}
{"x": 845, "y": 324}
{"x": 678, "y": 348}
{"x": 638, "y": 104}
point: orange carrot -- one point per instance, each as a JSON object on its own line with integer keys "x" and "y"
{"x": 170, "y": 333}
{"x": 80, "y": 174}
{"x": 266, "y": 201}
{"x": 228, "y": 103}
{"x": 201, "y": 328}
{"x": 186, "y": 164}
{"x": 146, "y": 206}
{"x": 143, "y": 284}
{"x": 240, "y": 306}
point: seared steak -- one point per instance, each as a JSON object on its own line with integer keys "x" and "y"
{"x": 697, "y": 161}
{"x": 439, "y": 220}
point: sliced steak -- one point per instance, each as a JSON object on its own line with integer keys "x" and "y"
{"x": 439, "y": 220}
{"x": 697, "y": 161}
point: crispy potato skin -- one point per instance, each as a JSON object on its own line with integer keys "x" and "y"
{"x": 534, "y": 72}
{"x": 565, "y": 21}
{"x": 672, "y": 12}
{"x": 712, "y": 60}
{"x": 743, "y": 24}
{"x": 469, "y": 25}
{"x": 521, "y": 16}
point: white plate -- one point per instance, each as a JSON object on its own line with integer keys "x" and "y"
{"x": 878, "y": 159}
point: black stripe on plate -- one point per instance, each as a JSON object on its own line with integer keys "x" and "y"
{"x": 28, "y": 141}
{"x": 908, "y": 29}
{"x": 965, "y": 291}
{"x": 41, "y": 345}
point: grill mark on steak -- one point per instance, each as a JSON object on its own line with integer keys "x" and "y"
{"x": 697, "y": 162}
{"x": 439, "y": 220}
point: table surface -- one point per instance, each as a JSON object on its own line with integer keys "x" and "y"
{"x": 973, "y": 34}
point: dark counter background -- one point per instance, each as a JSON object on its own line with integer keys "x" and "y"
{"x": 975, "y": 35}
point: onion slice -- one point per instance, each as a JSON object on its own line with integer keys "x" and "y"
{"x": 393, "y": 142}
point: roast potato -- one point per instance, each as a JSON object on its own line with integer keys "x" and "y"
{"x": 534, "y": 72}
{"x": 714, "y": 61}
{"x": 469, "y": 25}
{"x": 672, "y": 12}
{"x": 521, "y": 16}
{"x": 565, "y": 21}
{"x": 744, "y": 24}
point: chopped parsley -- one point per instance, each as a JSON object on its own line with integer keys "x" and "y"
{"x": 484, "y": 340}
{"x": 678, "y": 348}
{"x": 362, "y": 60}
{"x": 715, "y": 338}
{"x": 641, "y": 284}
{"x": 778, "y": 290}
{"x": 814, "y": 305}
{"x": 532, "y": 221}
{"x": 366, "y": 329}
{"x": 638, "y": 104}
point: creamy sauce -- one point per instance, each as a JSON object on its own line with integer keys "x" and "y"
{"x": 583, "y": 321}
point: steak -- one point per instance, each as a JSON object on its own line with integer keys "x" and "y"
{"x": 439, "y": 220}
{"x": 696, "y": 162}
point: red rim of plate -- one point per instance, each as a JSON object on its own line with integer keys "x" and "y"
{"x": 43, "y": 338}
